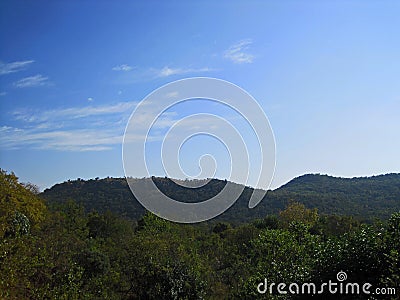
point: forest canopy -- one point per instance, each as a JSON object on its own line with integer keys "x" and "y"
{"x": 67, "y": 252}
{"x": 363, "y": 198}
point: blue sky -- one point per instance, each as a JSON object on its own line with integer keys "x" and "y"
{"x": 326, "y": 73}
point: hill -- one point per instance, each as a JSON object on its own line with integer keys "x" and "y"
{"x": 362, "y": 197}
{"x": 376, "y": 196}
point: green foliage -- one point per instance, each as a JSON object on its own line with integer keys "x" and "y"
{"x": 364, "y": 198}
{"x": 81, "y": 254}
{"x": 221, "y": 227}
{"x": 330, "y": 225}
{"x": 392, "y": 252}
{"x": 269, "y": 222}
{"x": 18, "y": 225}
{"x": 150, "y": 222}
{"x": 358, "y": 253}
{"x": 297, "y": 212}
{"x": 19, "y": 207}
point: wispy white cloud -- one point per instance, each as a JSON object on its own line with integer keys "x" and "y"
{"x": 172, "y": 94}
{"x": 32, "y": 81}
{"x": 144, "y": 74}
{"x": 90, "y": 128}
{"x": 123, "y": 67}
{"x": 16, "y": 66}
{"x": 73, "y": 113}
{"x": 3, "y": 94}
{"x": 64, "y": 140}
{"x": 238, "y": 53}
{"x": 167, "y": 71}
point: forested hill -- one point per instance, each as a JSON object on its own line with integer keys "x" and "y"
{"x": 363, "y": 197}
{"x": 376, "y": 196}
{"x": 381, "y": 185}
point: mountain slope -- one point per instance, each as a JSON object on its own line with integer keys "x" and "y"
{"x": 364, "y": 197}
{"x": 376, "y": 196}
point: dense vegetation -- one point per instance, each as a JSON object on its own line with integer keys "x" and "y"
{"x": 366, "y": 198}
{"x": 62, "y": 252}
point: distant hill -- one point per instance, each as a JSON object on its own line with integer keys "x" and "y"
{"x": 362, "y": 197}
{"x": 369, "y": 197}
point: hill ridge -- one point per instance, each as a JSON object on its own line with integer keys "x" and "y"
{"x": 377, "y": 196}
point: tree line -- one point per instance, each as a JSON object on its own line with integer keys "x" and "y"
{"x": 62, "y": 251}
{"x": 363, "y": 198}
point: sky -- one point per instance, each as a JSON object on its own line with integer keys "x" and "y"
{"x": 326, "y": 74}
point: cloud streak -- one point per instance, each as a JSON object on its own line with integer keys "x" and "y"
{"x": 73, "y": 113}
{"x": 32, "y": 81}
{"x": 90, "y": 128}
{"x": 63, "y": 140}
{"x": 16, "y": 66}
{"x": 123, "y": 67}
{"x": 238, "y": 53}
{"x": 167, "y": 71}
